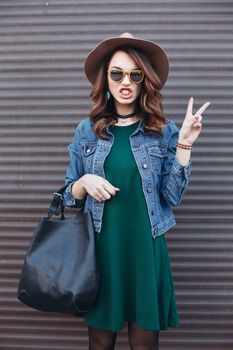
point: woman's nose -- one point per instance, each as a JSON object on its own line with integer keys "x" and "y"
{"x": 126, "y": 80}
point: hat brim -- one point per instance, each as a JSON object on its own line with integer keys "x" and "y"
{"x": 153, "y": 51}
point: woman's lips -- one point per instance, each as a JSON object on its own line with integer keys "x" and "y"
{"x": 126, "y": 93}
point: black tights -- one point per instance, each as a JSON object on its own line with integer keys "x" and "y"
{"x": 139, "y": 339}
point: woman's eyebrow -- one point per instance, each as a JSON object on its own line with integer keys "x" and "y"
{"x": 122, "y": 68}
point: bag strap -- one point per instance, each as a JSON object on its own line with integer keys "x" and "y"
{"x": 56, "y": 205}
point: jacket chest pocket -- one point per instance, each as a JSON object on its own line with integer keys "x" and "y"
{"x": 157, "y": 153}
{"x": 88, "y": 150}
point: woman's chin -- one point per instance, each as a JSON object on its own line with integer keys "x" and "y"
{"x": 124, "y": 101}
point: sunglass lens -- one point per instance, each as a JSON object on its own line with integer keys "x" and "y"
{"x": 116, "y": 75}
{"x": 136, "y": 76}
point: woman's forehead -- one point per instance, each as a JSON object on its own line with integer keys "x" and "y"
{"x": 123, "y": 60}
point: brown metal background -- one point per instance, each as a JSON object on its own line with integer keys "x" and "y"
{"x": 44, "y": 94}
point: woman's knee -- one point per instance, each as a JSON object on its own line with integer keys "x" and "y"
{"x": 141, "y": 339}
{"x": 101, "y": 339}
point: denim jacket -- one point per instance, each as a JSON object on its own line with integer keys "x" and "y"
{"x": 164, "y": 179}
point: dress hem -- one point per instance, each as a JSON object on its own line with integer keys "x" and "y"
{"x": 148, "y": 326}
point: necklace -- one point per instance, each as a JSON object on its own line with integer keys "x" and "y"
{"x": 126, "y": 116}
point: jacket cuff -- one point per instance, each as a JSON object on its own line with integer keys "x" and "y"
{"x": 182, "y": 170}
{"x": 70, "y": 201}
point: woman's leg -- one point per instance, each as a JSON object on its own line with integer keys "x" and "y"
{"x": 101, "y": 339}
{"x": 142, "y": 339}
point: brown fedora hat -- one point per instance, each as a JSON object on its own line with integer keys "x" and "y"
{"x": 153, "y": 51}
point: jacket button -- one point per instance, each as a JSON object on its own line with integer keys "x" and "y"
{"x": 149, "y": 189}
{"x": 145, "y": 166}
{"x": 88, "y": 150}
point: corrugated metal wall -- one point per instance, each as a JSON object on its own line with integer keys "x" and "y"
{"x": 43, "y": 94}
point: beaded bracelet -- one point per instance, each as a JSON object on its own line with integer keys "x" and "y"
{"x": 181, "y": 145}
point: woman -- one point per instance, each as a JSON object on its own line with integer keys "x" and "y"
{"x": 129, "y": 165}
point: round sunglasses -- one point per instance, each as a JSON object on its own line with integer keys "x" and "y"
{"x": 135, "y": 75}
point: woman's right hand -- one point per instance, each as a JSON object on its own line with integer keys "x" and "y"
{"x": 96, "y": 186}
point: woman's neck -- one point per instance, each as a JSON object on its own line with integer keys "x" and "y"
{"x": 126, "y": 110}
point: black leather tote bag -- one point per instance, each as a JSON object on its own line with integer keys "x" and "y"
{"x": 60, "y": 271}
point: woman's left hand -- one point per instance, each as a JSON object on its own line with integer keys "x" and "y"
{"x": 191, "y": 127}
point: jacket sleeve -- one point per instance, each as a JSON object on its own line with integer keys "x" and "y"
{"x": 74, "y": 171}
{"x": 175, "y": 177}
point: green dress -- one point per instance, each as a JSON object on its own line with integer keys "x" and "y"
{"x": 135, "y": 278}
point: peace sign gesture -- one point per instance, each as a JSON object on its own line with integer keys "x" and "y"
{"x": 191, "y": 127}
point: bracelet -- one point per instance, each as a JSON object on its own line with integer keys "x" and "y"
{"x": 181, "y": 145}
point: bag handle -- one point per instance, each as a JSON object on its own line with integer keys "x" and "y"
{"x": 56, "y": 205}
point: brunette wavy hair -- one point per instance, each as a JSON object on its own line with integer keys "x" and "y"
{"x": 148, "y": 105}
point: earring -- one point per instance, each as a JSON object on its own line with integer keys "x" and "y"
{"x": 108, "y": 95}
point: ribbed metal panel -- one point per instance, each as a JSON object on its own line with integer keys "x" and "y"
{"x": 44, "y": 94}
